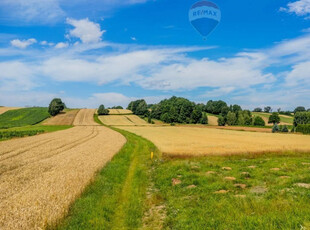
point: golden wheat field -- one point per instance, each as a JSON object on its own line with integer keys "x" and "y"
{"x": 119, "y": 111}
{"x": 122, "y": 120}
{"x": 5, "y": 109}
{"x": 42, "y": 175}
{"x": 206, "y": 141}
{"x": 212, "y": 120}
{"x": 85, "y": 117}
{"x": 64, "y": 118}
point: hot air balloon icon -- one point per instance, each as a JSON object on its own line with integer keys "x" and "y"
{"x": 204, "y": 16}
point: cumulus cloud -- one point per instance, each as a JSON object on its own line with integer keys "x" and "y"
{"x": 61, "y": 45}
{"x": 300, "y": 7}
{"x": 86, "y": 30}
{"x": 23, "y": 43}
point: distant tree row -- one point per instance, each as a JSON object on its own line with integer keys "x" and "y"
{"x": 268, "y": 109}
{"x": 138, "y": 107}
{"x": 117, "y": 107}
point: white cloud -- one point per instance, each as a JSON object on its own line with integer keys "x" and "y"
{"x": 43, "y": 43}
{"x": 85, "y": 30}
{"x": 23, "y": 43}
{"x": 32, "y": 11}
{"x": 299, "y": 75}
{"x": 300, "y": 7}
{"x": 16, "y": 75}
{"x": 61, "y": 45}
{"x": 133, "y": 38}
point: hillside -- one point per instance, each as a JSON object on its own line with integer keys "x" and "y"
{"x": 285, "y": 120}
{"x": 23, "y": 117}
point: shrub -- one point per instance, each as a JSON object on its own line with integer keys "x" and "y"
{"x": 12, "y": 134}
{"x": 284, "y": 129}
{"x": 305, "y": 129}
{"x": 258, "y": 121}
{"x": 102, "y": 110}
{"x": 275, "y": 128}
{"x": 221, "y": 121}
{"x": 56, "y": 106}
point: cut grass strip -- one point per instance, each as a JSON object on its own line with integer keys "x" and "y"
{"x": 116, "y": 198}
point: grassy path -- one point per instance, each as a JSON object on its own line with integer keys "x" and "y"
{"x": 116, "y": 198}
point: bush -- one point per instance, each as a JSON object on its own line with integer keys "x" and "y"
{"x": 284, "y": 129}
{"x": 305, "y": 129}
{"x": 275, "y": 128}
{"x": 12, "y": 134}
{"x": 258, "y": 121}
{"x": 221, "y": 121}
{"x": 102, "y": 110}
{"x": 56, "y": 106}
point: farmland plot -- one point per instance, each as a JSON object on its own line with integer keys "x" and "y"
{"x": 124, "y": 120}
{"x": 64, "y": 118}
{"x": 85, "y": 117}
{"x": 178, "y": 141}
{"x": 5, "y": 109}
{"x": 119, "y": 111}
{"x": 42, "y": 175}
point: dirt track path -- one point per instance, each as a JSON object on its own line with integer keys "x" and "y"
{"x": 41, "y": 176}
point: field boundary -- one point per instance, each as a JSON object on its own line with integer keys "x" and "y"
{"x": 117, "y": 197}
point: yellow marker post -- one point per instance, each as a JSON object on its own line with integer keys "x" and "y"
{"x": 152, "y": 155}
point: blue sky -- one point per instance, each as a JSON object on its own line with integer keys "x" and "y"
{"x": 112, "y": 52}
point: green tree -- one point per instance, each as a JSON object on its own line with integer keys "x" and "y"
{"x": 56, "y": 106}
{"x": 204, "y": 119}
{"x": 274, "y": 118}
{"x": 258, "y": 121}
{"x": 221, "y": 121}
{"x": 240, "y": 120}
{"x": 196, "y": 116}
{"x": 300, "y": 109}
{"x": 258, "y": 110}
{"x": 231, "y": 118}
{"x": 267, "y": 109}
{"x": 236, "y": 108}
{"x": 102, "y": 110}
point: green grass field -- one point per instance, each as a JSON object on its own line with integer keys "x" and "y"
{"x": 271, "y": 199}
{"x": 284, "y": 118}
{"x": 23, "y": 117}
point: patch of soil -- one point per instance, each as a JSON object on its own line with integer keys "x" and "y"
{"x": 275, "y": 169}
{"x": 230, "y": 178}
{"x": 240, "y": 196}
{"x": 252, "y": 167}
{"x": 176, "y": 181}
{"x": 226, "y": 168}
{"x": 210, "y": 172}
{"x": 191, "y": 186}
{"x": 259, "y": 190}
{"x": 303, "y": 185}
{"x": 243, "y": 186}
{"x": 221, "y": 192}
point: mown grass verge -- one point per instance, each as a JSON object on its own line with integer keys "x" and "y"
{"x": 116, "y": 197}
{"x": 23, "y": 117}
{"x": 252, "y": 192}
